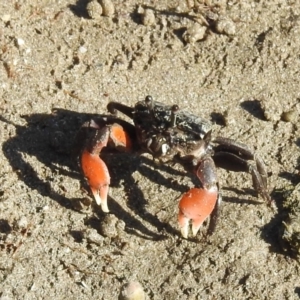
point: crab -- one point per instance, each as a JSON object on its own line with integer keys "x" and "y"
{"x": 170, "y": 135}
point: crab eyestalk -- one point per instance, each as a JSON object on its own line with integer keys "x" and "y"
{"x": 174, "y": 110}
{"x": 149, "y": 102}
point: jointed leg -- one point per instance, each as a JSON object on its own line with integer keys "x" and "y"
{"x": 235, "y": 156}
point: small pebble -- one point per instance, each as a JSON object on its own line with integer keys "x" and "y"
{"x": 132, "y": 291}
{"x": 108, "y": 226}
{"x": 271, "y": 112}
{"x": 225, "y": 26}
{"x": 148, "y": 17}
{"x": 107, "y": 7}
{"x": 93, "y": 237}
{"x": 290, "y": 116}
{"x": 94, "y": 10}
{"x": 194, "y": 33}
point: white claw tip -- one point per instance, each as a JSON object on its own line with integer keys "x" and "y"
{"x": 98, "y": 198}
{"x": 104, "y": 207}
{"x": 195, "y": 230}
{"x": 185, "y": 231}
{"x": 101, "y": 201}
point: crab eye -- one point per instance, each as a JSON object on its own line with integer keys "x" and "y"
{"x": 148, "y": 101}
{"x": 175, "y": 108}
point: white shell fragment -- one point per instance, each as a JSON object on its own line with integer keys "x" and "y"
{"x": 107, "y": 7}
{"x": 194, "y": 33}
{"x": 82, "y": 49}
{"x": 132, "y": 291}
{"x": 22, "y": 222}
{"x": 20, "y": 42}
{"x": 94, "y": 9}
{"x": 5, "y": 18}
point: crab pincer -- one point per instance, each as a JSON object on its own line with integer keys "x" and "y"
{"x": 196, "y": 206}
{"x": 93, "y": 167}
{"x": 96, "y": 172}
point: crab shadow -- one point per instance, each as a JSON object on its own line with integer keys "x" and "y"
{"x": 79, "y": 9}
{"x": 272, "y": 232}
{"x": 49, "y": 138}
{"x": 254, "y": 108}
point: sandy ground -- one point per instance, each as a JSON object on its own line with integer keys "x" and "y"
{"x": 59, "y": 67}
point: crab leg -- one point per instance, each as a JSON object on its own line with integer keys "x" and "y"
{"x": 234, "y": 156}
{"x": 93, "y": 167}
{"x": 199, "y": 203}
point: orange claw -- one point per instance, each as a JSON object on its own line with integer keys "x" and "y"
{"x": 120, "y": 138}
{"x": 96, "y": 172}
{"x": 93, "y": 167}
{"x": 196, "y": 205}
